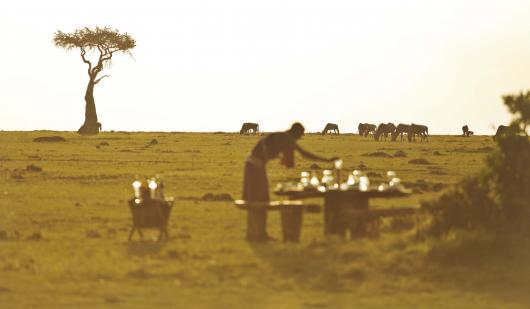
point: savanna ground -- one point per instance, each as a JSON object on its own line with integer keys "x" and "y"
{"x": 63, "y": 230}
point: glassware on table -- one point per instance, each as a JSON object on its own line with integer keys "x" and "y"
{"x": 327, "y": 178}
{"x": 364, "y": 183}
{"x": 314, "y": 182}
{"x": 136, "y": 187}
{"x": 151, "y": 183}
{"x": 395, "y": 182}
{"x": 304, "y": 179}
{"x": 337, "y": 164}
{"x": 383, "y": 187}
{"x": 353, "y": 178}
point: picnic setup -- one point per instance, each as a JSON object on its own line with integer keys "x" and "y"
{"x": 346, "y": 206}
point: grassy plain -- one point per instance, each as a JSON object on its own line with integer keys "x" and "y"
{"x": 63, "y": 230}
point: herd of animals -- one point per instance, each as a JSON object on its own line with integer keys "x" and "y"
{"x": 382, "y": 131}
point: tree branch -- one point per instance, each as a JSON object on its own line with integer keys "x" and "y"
{"x": 97, "y": 80}
{"x": 83, "y": 53}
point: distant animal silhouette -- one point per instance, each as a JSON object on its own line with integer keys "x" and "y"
{"x": 100, "y": 127}
{"x": 384, "y": 129}
{"x": 400, "y": 129}
{"x": 502, "y": 130}
{"x": 466, "y": 132}
{"x": 369, "y": 128}
{"x": 331, "y": 128}
{"x": 361, "y": 128}
{"x": 249, "y": 127}
{"x": 418, "y": 129}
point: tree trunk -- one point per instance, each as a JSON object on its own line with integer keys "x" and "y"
{"x": 91, "y": 125}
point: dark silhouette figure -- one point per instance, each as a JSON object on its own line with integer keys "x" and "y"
{"x": 502, "y": 130}
{"x": 100, "y": 127}
{"x": 418, "y": 129}
{"x": 384, "y": 129}
{"x": 400, "y": 129}
{"x": 249, "y": 127}
{"x": 255, "y": 183}
{"x": 361, "y": 128}
{"x": 466, "y": 132}
{"x": 369, "y": 128}
{"x": 331, "y": 128}
{"x": 105, "y": 42}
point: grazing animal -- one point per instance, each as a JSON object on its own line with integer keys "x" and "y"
{"x": 502, "y": 130}
{"x": 361, "y": 127}
{"x": 418, "y": 129}
{"x": 331, "y": 128}
{"x": 100, "y": 127}
{"x": 249, "y": 127}
{"x": 400, "y": 129}
{"x": 465, "y": 131}
{"x": 369, "y": 129}
{"x": 384, "y": 129}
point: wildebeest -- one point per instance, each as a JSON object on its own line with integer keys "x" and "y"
{"x": 418, "y": 129}
{"x": 400, "y": 129}
{"x": 369, "y": 128}
{"x": 384, "y": 129}
{"x": 501, "y": 131}
{"x": 466, "y": 132}
{"x": 100, "y": 127}
{"x": 331, "y": 128}
{"x": 361, "y": 127}
{"x": 249, "y": 127}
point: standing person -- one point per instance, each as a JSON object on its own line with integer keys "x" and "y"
{"x": 255, "y": 182}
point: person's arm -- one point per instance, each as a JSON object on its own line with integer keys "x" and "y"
{"x": 308, "y": 155}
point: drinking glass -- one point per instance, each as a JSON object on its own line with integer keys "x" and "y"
{"x": 364, "y": 183}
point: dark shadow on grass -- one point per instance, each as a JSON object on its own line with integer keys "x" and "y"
{"x": 311, "y": 265}
{"x": 144, "y": 247}
{"x": 496, "y": 266}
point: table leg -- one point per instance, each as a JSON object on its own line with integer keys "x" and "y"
{"x": 131, "y": 233}
{"x": 340, "y": 216}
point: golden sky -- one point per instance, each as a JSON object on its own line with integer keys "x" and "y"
{"x": 211, "y": 65}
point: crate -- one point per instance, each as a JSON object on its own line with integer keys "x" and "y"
{"x": 150, "y": 213}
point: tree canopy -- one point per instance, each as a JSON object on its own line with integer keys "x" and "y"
{"x": 105, "y": 40}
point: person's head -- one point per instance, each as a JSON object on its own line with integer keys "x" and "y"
{"x": 297, "y": 130}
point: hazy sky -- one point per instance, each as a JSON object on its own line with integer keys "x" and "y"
{"x": 211, "y": 65}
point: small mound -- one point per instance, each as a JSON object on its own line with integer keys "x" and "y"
{"x": 400, "y": 154}
{"x": 33, "y": 168}
{"x": 484, "y": 149}
{"x": 378, "y": 154}
{"x": 217, "y": 197}
{"x": 104, "y": 143}
{"x": 419, "y": 161}
{"x": 314, "y": 166}
{"x": 437, "y": 153}
{"x": 49, "y": 139}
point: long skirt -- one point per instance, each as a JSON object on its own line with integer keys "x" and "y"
{"x": 256, "y": 189}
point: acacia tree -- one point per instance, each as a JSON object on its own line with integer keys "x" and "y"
{"x": 104, "y": 42}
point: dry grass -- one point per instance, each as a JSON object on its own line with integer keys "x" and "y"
{"x": 63, "y": 230}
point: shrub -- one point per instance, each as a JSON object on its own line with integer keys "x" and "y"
{"x": 499, "y": 196}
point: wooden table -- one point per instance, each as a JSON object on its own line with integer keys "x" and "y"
{"x": 348, "y": 209}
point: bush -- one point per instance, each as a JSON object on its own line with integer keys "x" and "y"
{"x": 499, "y": 196}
